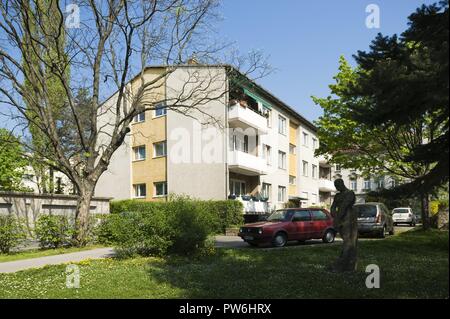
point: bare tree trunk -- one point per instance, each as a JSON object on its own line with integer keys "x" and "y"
{"x": 82, "y": 215}
{"x": 424, "y": 199}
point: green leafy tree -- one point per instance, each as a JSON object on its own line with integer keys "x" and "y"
{"x": 390, "y": 113}
{"x": 12, "y": 162}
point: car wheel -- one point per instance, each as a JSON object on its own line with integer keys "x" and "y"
{"x": 413, "y": 224}
{"x": 329, "y": 236}
{"x": 279, "y": 240}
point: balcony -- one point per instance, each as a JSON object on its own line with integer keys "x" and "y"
{"x": 245, "y": 117}
{"x": 323, "y": 162}
{"x": 246, "y": 164}
{"x": 253, "y": 206}
{"x": 326, "y": 185}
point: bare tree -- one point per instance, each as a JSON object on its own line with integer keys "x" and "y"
{"x": 106, "y": 54}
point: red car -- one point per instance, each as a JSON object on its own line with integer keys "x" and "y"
{"x": 290, "y": 224}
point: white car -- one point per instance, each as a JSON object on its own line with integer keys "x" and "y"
{"x": 403, "y": 215}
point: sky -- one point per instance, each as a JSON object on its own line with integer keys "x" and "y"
{"x": 304, "y": 39}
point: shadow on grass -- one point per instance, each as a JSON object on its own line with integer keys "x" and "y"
{"x": 413, "y": 265}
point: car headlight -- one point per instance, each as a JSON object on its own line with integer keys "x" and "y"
{"x": 260, "y": 231}
{"x": 241, "y": 230}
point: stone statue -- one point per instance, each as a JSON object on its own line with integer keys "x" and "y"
{"x": 346, "y": 224}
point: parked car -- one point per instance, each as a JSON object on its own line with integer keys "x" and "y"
{"x": 404, "y": 215}
{"x": 291, "y": 224}
{"x": 374, "y": 218}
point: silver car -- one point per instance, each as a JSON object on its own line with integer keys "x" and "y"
{"x": 404, "y": 215}
{"x": 374, "y": 218}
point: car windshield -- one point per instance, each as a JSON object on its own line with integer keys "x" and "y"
{"x": 365, "y": 211}
{"x": 279, "y": 216}
{"x": 401, "y": 211}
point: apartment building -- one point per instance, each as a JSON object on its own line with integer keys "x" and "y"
{"x": 360, "y": 183}
{"x": 244, "y": 143}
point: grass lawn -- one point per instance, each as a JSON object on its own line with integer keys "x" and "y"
{"x": 413, "y": 265}
{"x": 35, "y": 253}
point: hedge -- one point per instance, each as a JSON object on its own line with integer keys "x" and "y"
{"x": 225, "y": 213}
{"x": 179, "y": 226}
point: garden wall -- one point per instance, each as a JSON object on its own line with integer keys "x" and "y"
{"x": 28, "y": 206}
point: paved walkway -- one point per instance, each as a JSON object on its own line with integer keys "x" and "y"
{"x": 17, "y": 265}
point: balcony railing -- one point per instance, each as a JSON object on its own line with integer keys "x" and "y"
{"x": 246, "y": 117}
{"x": 246, "y": 164}
{"x": 254, "y": 207}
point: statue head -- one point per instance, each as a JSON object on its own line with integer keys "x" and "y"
{"x": 339, "y": 184}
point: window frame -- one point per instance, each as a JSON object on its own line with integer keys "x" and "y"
{"x": 165, "y": 149}
{"x": 160, "y": 106}
{"x": 305, "y": 139}
{"x": 305, "y": 172}
{"x": 137, "y": 118}
{"x": 283, "y": 160}
{"x": 136, "y": 151}
{"x": 292, "y": 149}
{"x": 283, "y": 193}
{"x": 292, "y": 178}
{"x": 137, "y": 192}
{"x": 155, "y": 195}
{"x": 282, "y": 125}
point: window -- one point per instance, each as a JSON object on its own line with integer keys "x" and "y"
{"x": 139, "y": 118}
{"x": 237, "y": 188}
{"x": 245, "y": 143}
{"x": 140, "y": 190}
{"x": 281, "y": 160}
{"x": 281, "y": 125}
{"x": 314, "y": 171}
{"x": 266, "y": 190}
{"x": 380, "y": 183}
{"x": 292, "y": 149}
{"x": 269, "y": 118}
{"x": 160, "y": 110}
{"x": 305, "y": 168}
{"x": 338, "y": 168}
{"x": 139, "y": 153}
{"x": 393, "y": 183}
{"x": 353, "y": 184}
{"x": 367, "y": 184}
{"x": 281, "y": 194}
{"x": 292, "y": 180}
{"x": 160, "y": 189}
{"x": 319, "y": 215}
{"x": 159, "y": 149}
{"x": 305, "y": 139}
{"x": 301, "y": 216}
{"x": 267, "y": 154}
{"x": 314, "y": 141}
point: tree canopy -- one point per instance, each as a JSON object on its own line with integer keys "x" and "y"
{"x": 390, "y": 113}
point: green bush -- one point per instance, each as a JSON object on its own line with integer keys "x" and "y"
{"x": 229, "y": 212}
{"x": 53, "y": 231}
{"x": 223, "y": 214}
{"x": 179, "y": 226}
{"x": 11, "y": 233}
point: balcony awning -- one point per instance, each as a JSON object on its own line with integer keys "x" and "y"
{"x": 266, "y": 104}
